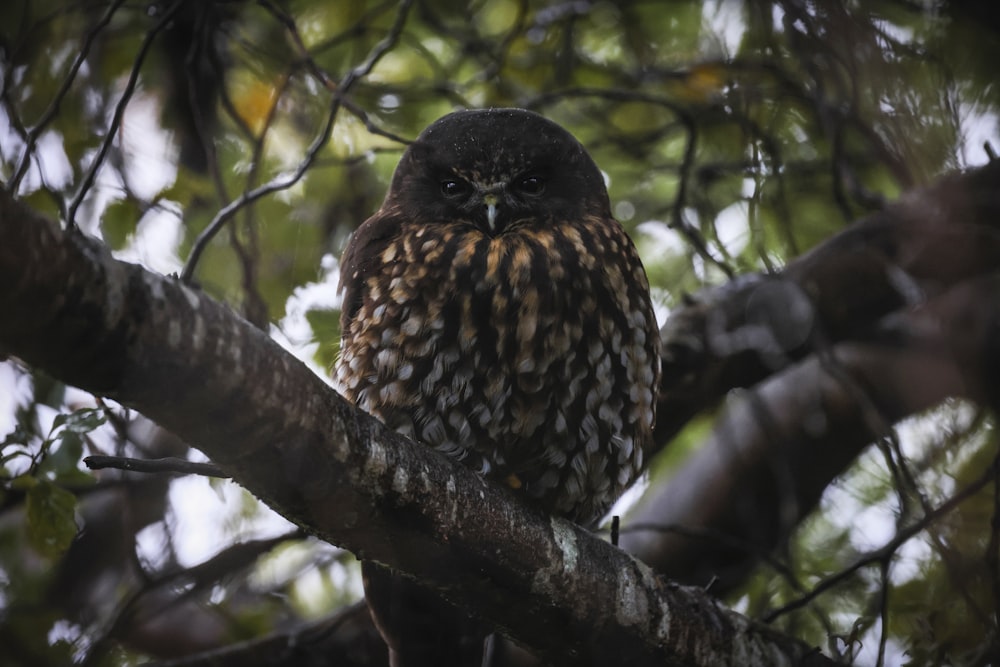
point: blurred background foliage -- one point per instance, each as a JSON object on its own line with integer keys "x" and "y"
{"x": 734, "y": 135}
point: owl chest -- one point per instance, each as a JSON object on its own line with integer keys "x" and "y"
{"x": 525, "y": 362}
{"x": 469, "y": 343}
{"x": 465, "y": 347}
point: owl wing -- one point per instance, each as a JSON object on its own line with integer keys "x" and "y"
{"x": 363, "y": 251}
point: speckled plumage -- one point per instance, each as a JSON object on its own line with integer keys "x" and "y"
{"x": 508, "y": 325}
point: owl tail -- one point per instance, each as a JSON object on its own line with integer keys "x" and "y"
{"x": 420, "y": 628}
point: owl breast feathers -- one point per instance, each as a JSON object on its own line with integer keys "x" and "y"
{"x": 495, "y": 311}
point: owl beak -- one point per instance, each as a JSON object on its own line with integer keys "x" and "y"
{"x": 491, "y": 211}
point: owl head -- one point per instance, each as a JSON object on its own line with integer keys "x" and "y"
{"x": 497, "y": 168}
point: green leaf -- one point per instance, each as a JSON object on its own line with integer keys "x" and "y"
{"x": 66, "y": 445}
{"x": 23, "y": 482}
{"x": 51, "y": 518}
{"x": 325, "y": 324}
{"x": 66, "y": 454}
{"x": 119, "y": 222}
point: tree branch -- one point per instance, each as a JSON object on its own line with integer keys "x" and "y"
{"x": 344, "y": 639}
{"x": 886, "y": 319}
{"x": 740, "y": 333}
{"x": 197, "y": 369}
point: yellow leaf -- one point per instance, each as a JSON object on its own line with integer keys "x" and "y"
{"x": 254, "y": 102}
{"x": 703, "y": 82}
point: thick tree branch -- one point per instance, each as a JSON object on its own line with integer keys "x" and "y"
{"x": 777, "y": 447}
{"x": 200, "y": 371}
{"x": 742, "y": 332}
{"x": 886, "y": 319}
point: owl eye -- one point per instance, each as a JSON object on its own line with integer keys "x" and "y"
{"x": 453, "y": 188}
{"x": 531, "y": 185}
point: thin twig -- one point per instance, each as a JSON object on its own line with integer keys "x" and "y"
{"x": 278, "y": 184}
{"x": 116, "y": 119}
{"x": 886, "y": 550}
{"x": 53, "y": 108}
{"x": 169, "y": 464}
{"x": 225, "y": 563}
{"x": 322, "y": 76}
{"x": 719, "y": 537}
{"x": 883, "y": 610}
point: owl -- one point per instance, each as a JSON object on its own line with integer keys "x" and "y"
{"x": 494, "y": 310}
